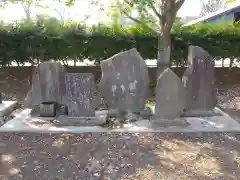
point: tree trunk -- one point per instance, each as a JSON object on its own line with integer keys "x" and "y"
{"x": 18, "y": 64}
{"x": 231, "y": 62}
{"x": 223, "y": 62}
{"x": 164, "y": 50}
{"x": 26, "y": 8}
{"x": 38, "y": 61}
{"x": 183, "y": 63}
{"x": 65, "y": 62}
{"x": 28, "y": 15}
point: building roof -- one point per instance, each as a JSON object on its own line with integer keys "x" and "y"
{"x": 213, "y": 15}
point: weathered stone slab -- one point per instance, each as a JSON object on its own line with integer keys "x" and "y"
{"x": 125, "y": 82}
{"x": 80, "y": 98}
{"x": 170, "y": 95}
{"x": 199, "y": 80}
{"x": 34, "y": 96}
{"x": 48, "y": 110}
{"x": 48, "y": 84}
{"x": 99, "y": 100}
{"x": 52, "y": 82}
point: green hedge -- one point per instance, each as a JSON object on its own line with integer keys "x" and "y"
{"x": 44, "y": 40}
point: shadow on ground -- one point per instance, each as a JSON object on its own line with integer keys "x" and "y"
{"x": 119, "y": 156}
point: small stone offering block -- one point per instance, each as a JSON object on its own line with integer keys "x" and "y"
{"x": 48, "y": 109}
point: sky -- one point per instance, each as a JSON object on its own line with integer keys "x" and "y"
{"x": 82, "y": 8}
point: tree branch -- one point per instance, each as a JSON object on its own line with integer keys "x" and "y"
{"x": 26, "y": 8}
{"x": 60, "y": 13}
{"x": 139, "y": 22}
{"x": 155, "y": 11}
{"x": 136, "y": 20}
{"x": 170, "y": 11}
{"x": 178, "y": 5}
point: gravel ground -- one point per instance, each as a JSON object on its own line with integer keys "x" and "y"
{"x": 229, "y": 101}
{"x": 120, "y": 156}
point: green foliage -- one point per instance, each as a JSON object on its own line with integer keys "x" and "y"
{"x": 48, "y": 39}
{"x": 231, "y": 1}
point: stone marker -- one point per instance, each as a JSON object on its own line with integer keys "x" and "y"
{"x": 99, "y": 100}
{"x": 170, "y": 95}
{"x": 125, "y": 82}
{"x": 52, "y": 82}
{"x": 34, "y": 97}
{"x": 199, "y": 80}
{"x": 48, "y": 86}
{"x": 80, "y": 98}
{"x": 81, "y": 101}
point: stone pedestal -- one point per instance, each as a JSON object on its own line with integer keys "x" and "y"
{"x": 48, "y": 109}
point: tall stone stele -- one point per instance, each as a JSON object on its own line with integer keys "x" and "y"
{"x": 48, "y": 84}
{"x": 125, "y": 81}
{"x": 170, "y": 95}
{"x": 199, "y": 80}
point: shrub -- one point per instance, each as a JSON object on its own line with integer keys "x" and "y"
{"x": 46, "y": 39}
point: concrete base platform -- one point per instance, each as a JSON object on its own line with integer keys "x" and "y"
{"x": 24, "y": 122}
{"x": 64, "y": 120}
{"x": 199, "y": 113}
{"x": 6, "y": 107}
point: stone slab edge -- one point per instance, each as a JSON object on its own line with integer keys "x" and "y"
{"x": 198, "y": 113}
{"x": 169, "y": 122}
{"x": 64, "y": 120}
{"x": 85, "y": 129}
{"x": 8, "y": 109}
{"x": 219, "y": 111}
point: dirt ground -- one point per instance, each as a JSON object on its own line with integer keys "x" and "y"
{"x": 120, "y": 156}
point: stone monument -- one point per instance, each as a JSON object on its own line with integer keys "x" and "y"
{"x": 199, "y": 79}
{"x": 170, "y": 95}
{"x": 80, "y": 100}
{"x": 125, "y": 82}
{"x": 48, "y": 88}
{"x": 80, "y": 94}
